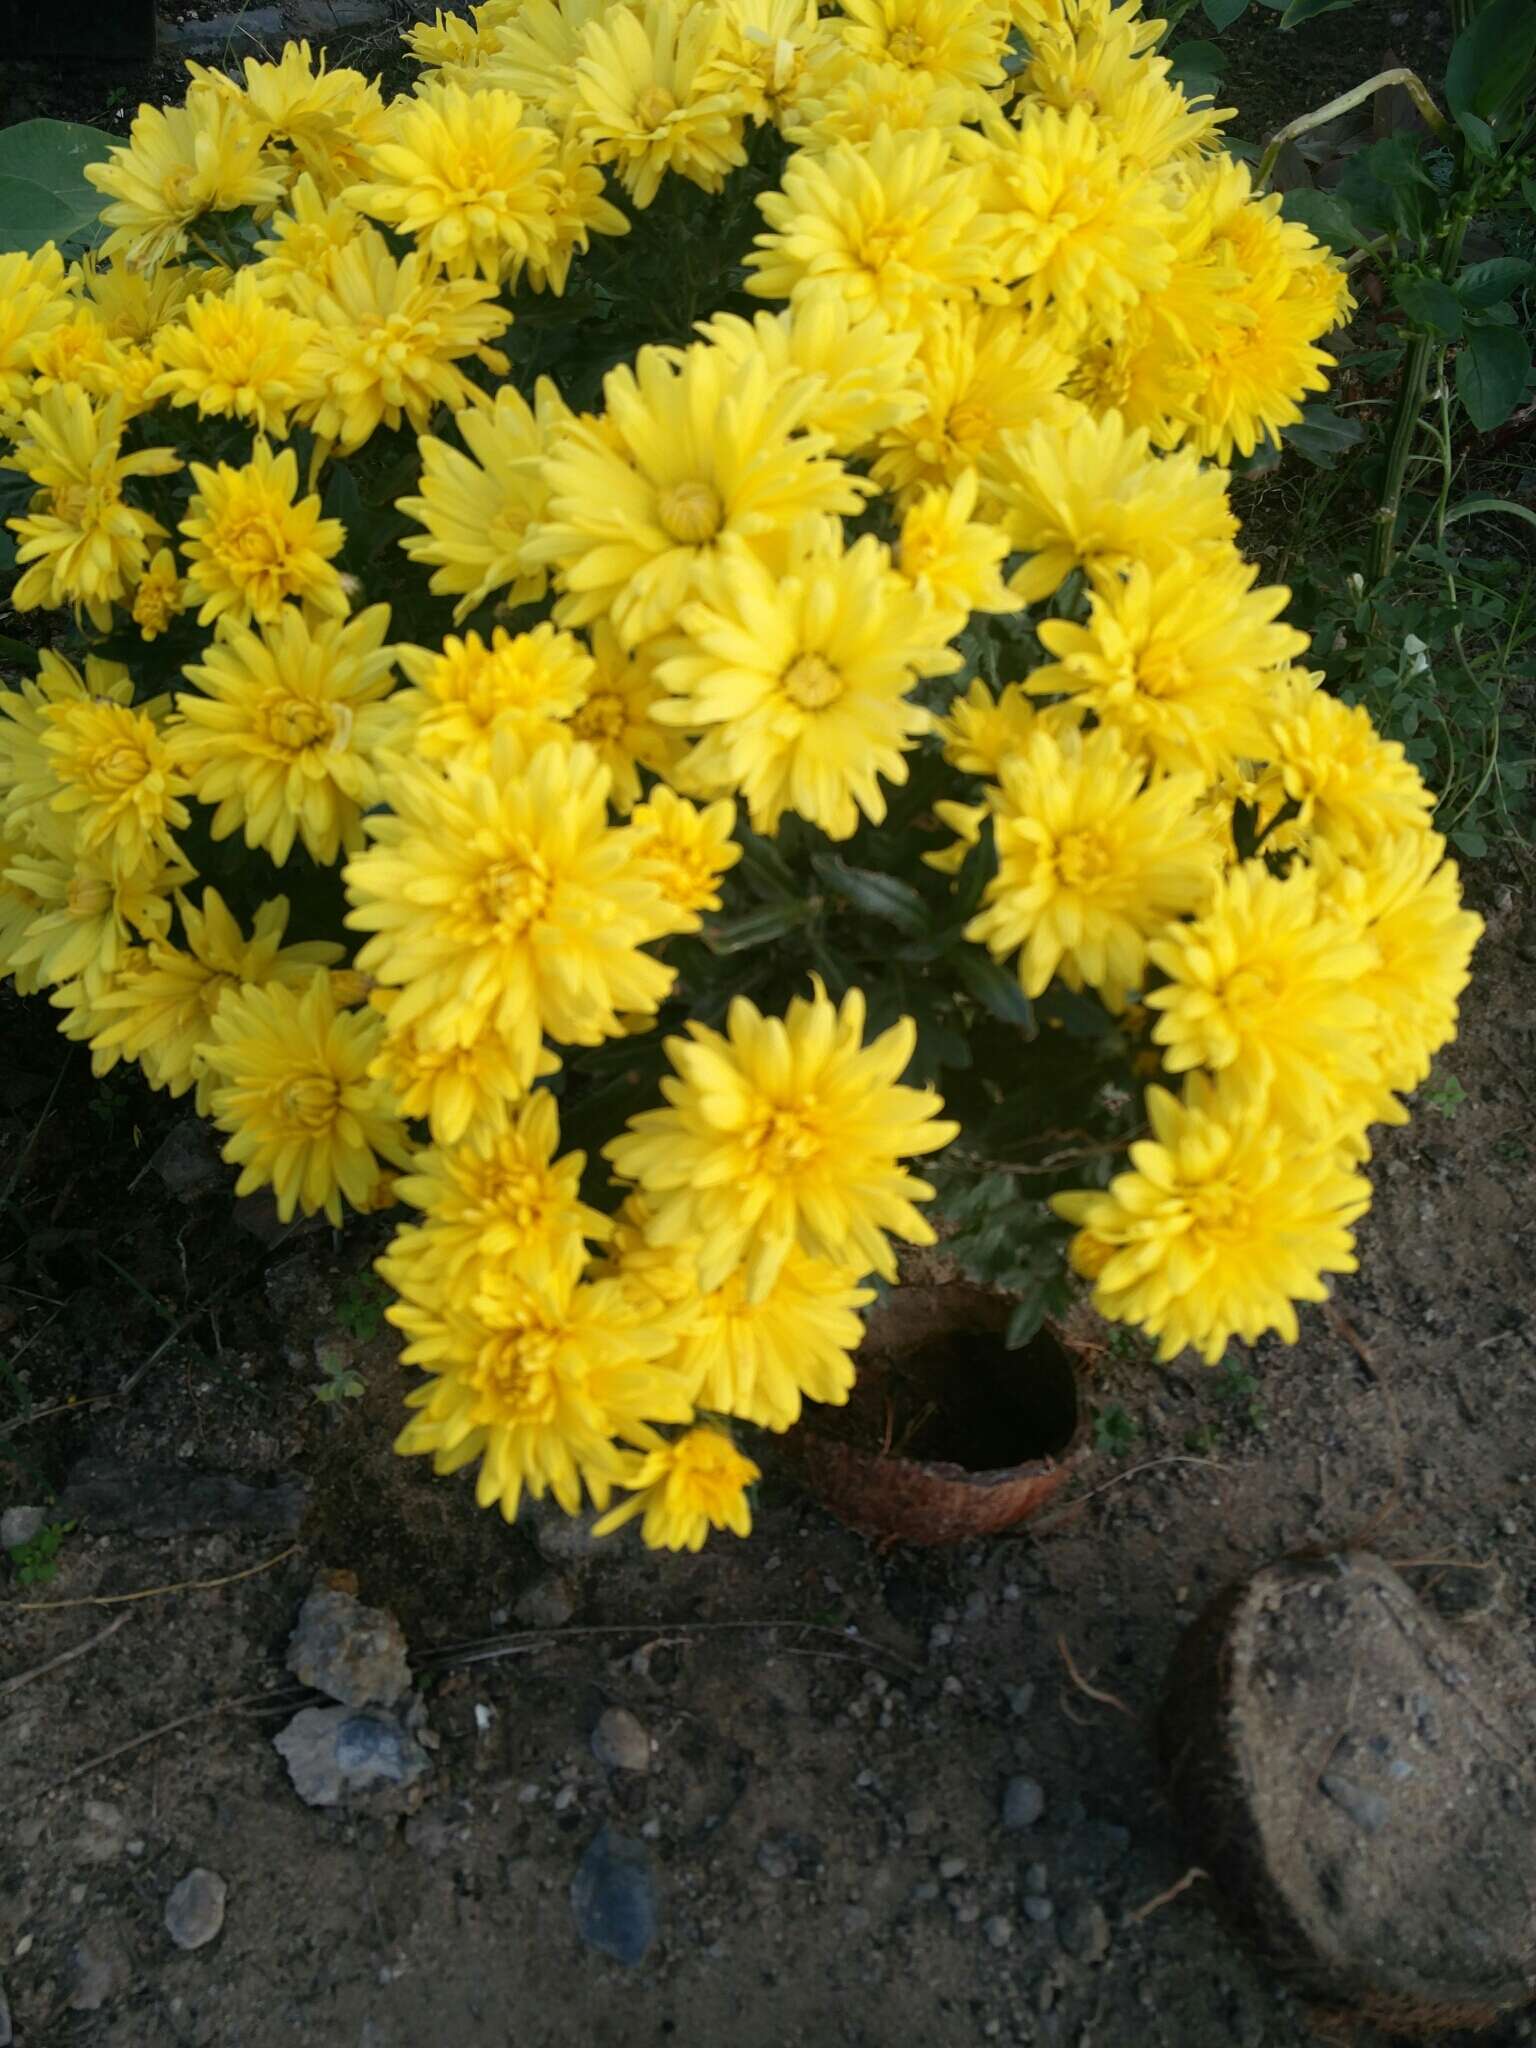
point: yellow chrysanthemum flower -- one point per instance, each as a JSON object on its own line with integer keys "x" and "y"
{"x": 535, "y": 1378}
{"x": 325, "y": 117}
{"x": 234, "y": 352}
{"x": 1092, "y": 495}
{"x": 532, "y": 51}
{"x": 1179, "y": 660}
{"x": 28, "y": 784}
{"x": 162, "y": 1016}
{"x": 160, "y": 597}
{"x": 760, "y": 54}
{"x": 461, "y": 1092}
{"x": 643, "y": 102}
{"x": 526, "y": 685}
{"x": 847, "y": 100}
{"x": 116, "y": 780}
{"x": 386, "y": 339}
{"x": 1222, "y": 1224}
{"x": 957, "y": 42}
{"x": 91, "y": 911}
{"x": 578, "y": 211}
{"x": 82, "y": 1017}
{"x": 478, "y": 508}
{"x": 292, "y": 1090}
{"x": 33, "y": 301}
{"x": 283, "y": 729}
{"x": 252, "y": 543}
{"x": 617, "y": 716}
{"x": 83, "y": 543}
{"x": 952, "y": 559}
{"x": 980, "y": 732}
{"x": 179, "y": 163}
{"x": 1093, "y": 859}
{"x": 685, "y": 1488}
{"x": 759, "y": 1360}
{"x": 688, "y": 453}
{"x": 467, "y": 176}
{"x": 981, "y": 372}
{"x": 133, "y": 305}
{"x": 862, "y": 362}
{"x": 1352, "y": 786}
{"x": 79, "y": 353}
{"x": 798, "y": 682}
{"x": 303, "y": 242}
{"x": 786, "y": 1131}
{"x": 687, "y": 849}
{"x": 1265, "y": 981}
{"x": 505, "y": 900}
{"x": 1256, "y": 373}
{"x": 895, "y": 222}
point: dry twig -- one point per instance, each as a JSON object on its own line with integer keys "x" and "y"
{"x": 1191, "y": 1876}
{"x": 151, "y": 1592}
{"x": 64, "y": 1657}
{"x": 1091, "y": 1692}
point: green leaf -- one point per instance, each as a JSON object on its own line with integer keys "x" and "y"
{"x": 1505, "y": 508}
{"x": 1325, "y": 215}
{"x": 1222, "y": 13}
{"x": 1429, "y": 303}
{"x": 1322, "y": 435}
{"x": 1307, "y": 10}
{"x": 882, "y": 896}
{"x": 993, "y": 987}
{"x": 1387, "y": 187}
{"x": 1528, "y": 192}
{"x": 754, "y": 927}
{"x": 1485, "y": 284}
{"x": 1491, "y": 374}
{"x": 1196, "y": 67}
{"x": 1481, "y": 139}
{"x": 43, "y": 194}
{"x": 1025, "y": 1322}
{"x": 1490, "y": 59}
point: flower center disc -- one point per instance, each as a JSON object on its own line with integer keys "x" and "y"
{"x": 812, "y": 683}
{"x": 654, "y": 106}
{"x": 690, "y": 513}
{"x": 310, "y": 1103}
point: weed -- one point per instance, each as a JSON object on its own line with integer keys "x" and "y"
{"x": 1237, "y": 1386}
{"x": 36, "y": 1560}
{"x": 1444, "y": 1094}
{"x": 360, "y": 1310}
{"x": 339, "y": 1381}
{"x": 1115, "y": 1431}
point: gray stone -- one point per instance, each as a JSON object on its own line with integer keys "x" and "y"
{"x": 322, "y": 18}
{"x": 1037, "y": 1879}
{"x": 560, "y": 1538}
{"x": 998, "y": 1930}
{"x": 194, "y": 1912}
{"x": 919, "y": 1820}
{"x": 1083, "y": 1931}
{"x": 776, "y": 1859}
{"x": 257, "y": 32}
{"x": 620, "y": 1743}
{"x": 99, "y": 1967}
{"x": 337, "y": 1753}
{"x": 951, "y": 1867}
{"x": 354, "y": 1653}
{"x": 163, "y": 1499}
{"x": 1023, "y": 1803}
{"x": 547, "y": 1603}
{"x": 613, "y": 1898}
{"x": 1038, "y": 1909}
{"x": 20, "y": 1525}
{"x": 188, "y": 1163}
{"x": 103, "y": 1832}
{"x": 1367, "y": 1809}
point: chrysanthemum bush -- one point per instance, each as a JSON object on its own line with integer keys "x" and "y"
{"x": 650, "y": 666}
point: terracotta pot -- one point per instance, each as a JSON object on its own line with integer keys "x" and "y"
{"x": 935, "y": 1378}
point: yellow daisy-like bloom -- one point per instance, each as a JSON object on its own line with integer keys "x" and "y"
{"x": 292, "y": 1090}
{"x": 688, "y": 453}
{"x": 952, "y": 559}
{"x": 90, "y": 912}
{"x": 527, "y": 686}
{"x": 252, "y": 543}
{"x": 283, "y": 729}
{"x": 980, "y": 732}
{"x": 133, "y": 305}
{"x": 465, "y": 175}
{"x": 843, "y": 99}
{"x": 160, "y": 597}
{"x": 1405, "y": 897}
{"x": 1256, "y": 372}
{"x": 83, "y": 543}
{"x": 478, "y": 508}
{"x": 959, "y": 44}
{"x": 1179, "y": 660}
{"x": 894, "y": 223}
{"x": 304, "y": 241}
{"x": 685, "y": 1488}
{"x": 578, "y": 211}
{"x": 117, "y": 781}
{"x": 79, "y": 1002}
{"x": 28, "y": 783}
{"x": 617, "y": 716}
{"x": 78, "y": 353}
{"x": 799, "y": 681}
{"x": 386, "y": 339}
{"x": 505, "y": 900}
{"x": 237, "y": 353}
{"x": 1265, "y": 981}
{"x": 462, "y": 1092}
{"x": 179, "y": 163}
{"x": 863, "y": 363}
{"x": 32, "y": 303}
{"x": 1222, "y": 1224}
{"x": 507, "y": 1203}
{"x": 759, "y": 1360}
{"x": 163, "y": 1016}
{"x": 1148, "y": 374}
{"x": 760, "y": 55}
{"x": 1093, "y": 859}
{"x": 981, "y": 372}
{"x": 532, "y": 51}
{"x": 687, "y": 849}
{"x": 786, "y": 1131}
{"x": 643, "y": 103}
{"x": 1091, "y": 495}
{"x": 325, "y": 117}
{"x": 1352, "y": 786}
{"x": 535, "y": 1377}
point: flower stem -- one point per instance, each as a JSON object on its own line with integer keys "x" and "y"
{"x": 1424, "y": 351}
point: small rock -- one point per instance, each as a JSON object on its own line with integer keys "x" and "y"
{"x": 940, "y": 1636}
{"x": 103, "y": 1832}
{"x": 620, "y": 1743}
{"x": 1083, "y": 1931}
{"x": 1020, "y": 1699}
{"x": 1368, "y": 1810}
{"x": 354, "y": 1653}
{"x": 951, "y": 1867}
{"x": 159, "y": 1499}
{"x": 1036, "y": 1879}
{"x": 251, "y": 34}
{"x": 1038, "y": 1909}
{"x": 776, "y": 1859}
{"x": 194, "y": 1912}
{"x": 925, "y": 1891}
{"x": 333, "y": 1753}
{"x": 1023, "y": 1803}
{"x": 99, "y": 1969}
{"x": 998, "y": 1930}
{"x": 967, "y": 1912}
{"x": 20, "y": 1525}
{"x": 919, "y": 1821}
{"x": 613, "y": 1898}
{"x": 188, "y": 1161}
{"x": 559, "y": 1538}
{"x": 547, "y": 1603}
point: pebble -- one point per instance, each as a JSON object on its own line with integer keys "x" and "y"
{"x": 613, "y": 1898}
{"x": 967, "y": 1912}
{"x": 620, "y": 1743}
{"x": 547, "y": 1603}
{"x": 334, "y": 1752}
{"x": 925, "y": 1891}
{"x": 1020, "y": 1699}
{"x": 1023, "y": 1803}
{"x": 560, "y": 1538}
{"x": 1367, "y": 1809}
{"x": 775, "y": 1858}
{"x": 1036, "y": 1878}
{"x": 1083, "y": 1931}
{"x": 194, "y": 1912}
{"x": 998, "y": 1930}
{"x": 565, "y": 1798}
{"x": 354, "y": 1653}
{"x": 919, "y": 1820}
{"x": 99, "y": 1968}
{"x": 1038, "y": 1909}
{"x": 20, "y": 1525}
{"x": 951, "y": 1867}
{"x": 103, "y": 1832}
{"x": 940, "y": 1636}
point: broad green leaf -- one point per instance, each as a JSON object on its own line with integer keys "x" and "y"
{"x": 882, "y": 896}
{"x": 1307, "y": 10}
{"x": 43, "y": 193}
{"x": 1429, "y": 303}
{"x": 754, "y": 927}
{"x": 1490, "y": 59}
{"x": 1387, "y": 187}
{"x": 1325, "y": 215}
{"x": 1485, "y": 284}
{"x": 1197, "y": 67}
{"x": 993, "y": 987}
{"x": 1025, "y": 1322}
{"x": 1481, "y": 139}
{"x": 1322, "y": 435}
{"x": 1491, "y": 374}
{"x": 1504, "y": 508}
{"x": 1222, "y": 13}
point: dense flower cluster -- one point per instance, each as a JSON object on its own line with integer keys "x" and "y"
{"x": 1017, "y": 307}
